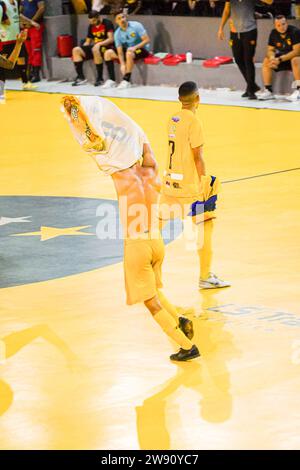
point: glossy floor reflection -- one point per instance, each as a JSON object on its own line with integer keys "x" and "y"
{"x": 79, "y": 369}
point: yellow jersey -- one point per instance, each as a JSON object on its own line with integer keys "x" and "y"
{"x": 184, "y": 134}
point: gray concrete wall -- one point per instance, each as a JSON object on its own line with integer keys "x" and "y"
{"x": 168, "y": 34}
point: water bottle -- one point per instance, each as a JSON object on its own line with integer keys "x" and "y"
{"x": 189, "y": 57}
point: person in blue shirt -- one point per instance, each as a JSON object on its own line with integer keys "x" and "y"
{"x": 132, "y": 43}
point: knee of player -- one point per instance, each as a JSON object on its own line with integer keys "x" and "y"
{"x": 108, "y": 55}
{"x": 77, "y": 50}
{"x": 153, "y": 305}
{"x": 266, "y": 62}
{"x": 296, "y": 60}
{"x": 130, "y": 54}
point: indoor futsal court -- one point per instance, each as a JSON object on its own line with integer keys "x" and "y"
{"x": 80, "y": 369}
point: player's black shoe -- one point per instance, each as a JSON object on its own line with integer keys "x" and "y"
{"x": 98, "y": 82}
{"x": 246, "y": 94}
{"x": 186, "y": 327}
{"x": 185, "y": 354}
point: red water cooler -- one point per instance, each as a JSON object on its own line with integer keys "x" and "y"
{"x": 64, "y": 45}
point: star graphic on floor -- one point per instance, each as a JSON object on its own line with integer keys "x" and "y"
{"x": 47, "y": 233}
{"x": 14, "y": 220}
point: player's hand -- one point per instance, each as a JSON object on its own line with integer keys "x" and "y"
{"x": 22, "y": 36}
{"x": 123, "y": 69}
{"x": 35, "y": 25}
{"x": 274, "y": 63}
{"x": 221, "y": 35}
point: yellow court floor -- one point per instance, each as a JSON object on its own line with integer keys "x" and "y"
{"x": 81, "y": 370}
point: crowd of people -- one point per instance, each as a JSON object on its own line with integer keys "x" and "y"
{"x": 179, "y": 7}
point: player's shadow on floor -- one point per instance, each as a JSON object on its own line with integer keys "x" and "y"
{"x": 14, "y": 342}
{"x": 209, "y": 377}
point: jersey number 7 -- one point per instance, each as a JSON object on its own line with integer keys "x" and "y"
{"x": 171, "y": 150}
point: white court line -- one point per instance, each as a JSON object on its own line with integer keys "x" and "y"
{"x": 160, "y": 93}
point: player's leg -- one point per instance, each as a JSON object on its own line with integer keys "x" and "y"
{"x": 169, "y": 325}
{"x": 109, "y": 57}
{"x": 22, "y": 65}
{"x": 36, "y": 53}
{"x": 158, "y": 254}
{"x": 129, "y": 60}
{"x": 295, "y": 65}
{"x": 237, "y": 51}
{"x": 98, "y": 61}
{"x": 249, "y": 41}
{"x": 207, "y": 280}
{"x": 267, "y": 74}
{"x": 142, "y": 282}
{"x": 79, "y": 55}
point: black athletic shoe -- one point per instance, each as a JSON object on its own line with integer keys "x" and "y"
{"x": 246, "y": 94}
{"x": 79, "y": 81}
{"x": 252, "y": 96}
{"x": 186, "y": 327}
{"x": 98, "y": 82}
{"x": 185, "y": 354}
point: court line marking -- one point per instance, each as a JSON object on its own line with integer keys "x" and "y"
{"x": 260, "y": 176}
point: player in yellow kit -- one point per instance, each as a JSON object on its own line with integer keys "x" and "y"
{"x": 117, "y": 144}
{"x": 186, "y": 190}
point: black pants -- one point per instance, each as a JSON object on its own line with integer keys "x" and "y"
{"x": 243, "y": 49}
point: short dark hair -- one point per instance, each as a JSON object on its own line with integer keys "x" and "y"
{"x": 187, "y": 88}
{"x": 279, "y": 17}
{"x": 118, "y": 12}
{"x": 93, "y": 14}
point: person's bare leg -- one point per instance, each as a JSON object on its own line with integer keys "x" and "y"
{"x": 167, "y": 323}
{"x": 98, "y": 61}
{"x": 267, "y": 73}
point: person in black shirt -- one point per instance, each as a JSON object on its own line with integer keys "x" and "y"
{"x": 100, "y": 36}
{"x": 283, "y": 54}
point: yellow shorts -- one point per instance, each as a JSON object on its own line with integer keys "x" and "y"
{"x": 171, "y": 207}
{"x": 143, "y": 258}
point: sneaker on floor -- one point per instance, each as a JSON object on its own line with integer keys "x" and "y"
{"x": 295, "y": 96}
{"x": 185, "y": 354}
{"x": 29, "y": 86}
{"x": 186, "y": 327}
{"x": 79, "y": 81}
{"x": 266, "y": 95}
{"x": 98, "y": 82}
{"x": 246, "y": 94}
{"x": 124, "y": 85}
{"x": 109, "y": 84}
{"x": 212, "y": 282}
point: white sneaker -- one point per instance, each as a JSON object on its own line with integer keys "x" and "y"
{"x": 295, "y": 96}
{"x": 266, "y": 95}
{"x": 29, "y": 86}
{"x": 124, "y": 85}
{"x": 212, "y": 282}
{"x": 109, "y": 84}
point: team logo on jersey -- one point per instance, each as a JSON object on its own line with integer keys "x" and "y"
{"x": 289, "y": 41}
{"x": 175, "y": 119}
{"x": 133, "y": 35}
{"x": 43, "y": 238}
